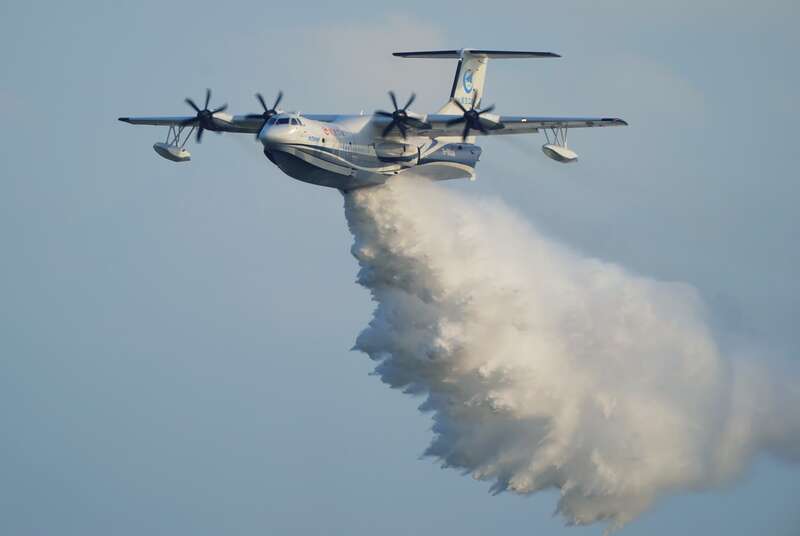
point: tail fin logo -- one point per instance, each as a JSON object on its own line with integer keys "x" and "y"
{"x": 468, "y": 81}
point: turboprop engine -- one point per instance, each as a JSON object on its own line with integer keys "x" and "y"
{"x": 174, "y": 148}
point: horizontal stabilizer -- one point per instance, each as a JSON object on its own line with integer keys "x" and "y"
{"x": 456, "y": 54}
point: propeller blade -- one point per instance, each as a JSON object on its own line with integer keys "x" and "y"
{"x": 208, "y": 98}
{"x": 261, "y": 100}
{"x": 191, "y": 103}
{"x": 277, "y": 100}
{"x": 460, "y": 106}
{"x": 466, "y": 132}
{"x": 220, "y": 109}
{"x": 481, "y": 127}
{"x": 487, "y": 110}
{"x": 199, "y": 133}
{"x": 474, "y": 100}
{"x": 400, "y": 118}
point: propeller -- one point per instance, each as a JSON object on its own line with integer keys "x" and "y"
{"x": 205, "y": 117}
{"x": 268, "y": 112}
{"x": 399, "y": 116}
{"x": 471, "y": 117}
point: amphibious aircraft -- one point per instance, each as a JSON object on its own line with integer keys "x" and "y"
{"x": 353, "y": 151}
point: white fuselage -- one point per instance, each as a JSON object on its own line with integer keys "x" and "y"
{"x": 348, "y": 152}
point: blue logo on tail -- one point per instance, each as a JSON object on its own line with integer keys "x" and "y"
{"x": 468, "y": 80}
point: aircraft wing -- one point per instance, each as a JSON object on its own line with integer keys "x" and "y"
{"x": 222, "y": 122}
{"x": 512, "y": 124}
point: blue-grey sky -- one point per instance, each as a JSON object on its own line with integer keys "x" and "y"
{"x": 174, "y": 345}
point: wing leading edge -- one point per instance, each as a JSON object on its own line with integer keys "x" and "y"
{"x": 222, "y": 122}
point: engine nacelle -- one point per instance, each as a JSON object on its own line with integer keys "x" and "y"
{"x": 491, "y": 121}
{"x": 172, "y": 152}
{"x": 559, "y": 153}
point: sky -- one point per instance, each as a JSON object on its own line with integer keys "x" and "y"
{"x": 175, "y": 339}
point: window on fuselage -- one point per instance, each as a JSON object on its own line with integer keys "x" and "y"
{"x": 283, "y": 121}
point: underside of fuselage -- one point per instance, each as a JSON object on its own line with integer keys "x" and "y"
{"x": 301, "y": 169}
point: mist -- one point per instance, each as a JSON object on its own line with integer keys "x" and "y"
{"x": 545, "y": 369}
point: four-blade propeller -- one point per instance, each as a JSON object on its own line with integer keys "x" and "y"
{"x": 399, "y": 116}
{"x": 471, "y": 117}
{"x": 268, "y": 112}
{"x": 204, "y": 120}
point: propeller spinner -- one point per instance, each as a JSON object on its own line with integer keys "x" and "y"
{"x": 204, "y": 120}
{"x": 400, "y": 118}
{"x": 268, "y": 112}
{"x": 471, "y": 117}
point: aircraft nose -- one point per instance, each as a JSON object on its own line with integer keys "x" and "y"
{"x": 276, "y": 134}
{"x": 269, "y": 135}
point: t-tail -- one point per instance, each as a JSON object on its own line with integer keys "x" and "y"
{"x": 470, "y": 72}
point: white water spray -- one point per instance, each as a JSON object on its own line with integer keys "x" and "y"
{"x": 544, "y": 369}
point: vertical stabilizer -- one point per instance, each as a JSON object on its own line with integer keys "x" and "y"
{"x": 468, "y": 80}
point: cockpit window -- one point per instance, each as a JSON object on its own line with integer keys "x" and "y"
{"x": 294, "y": 121}
{"x": 283, "y": 121}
